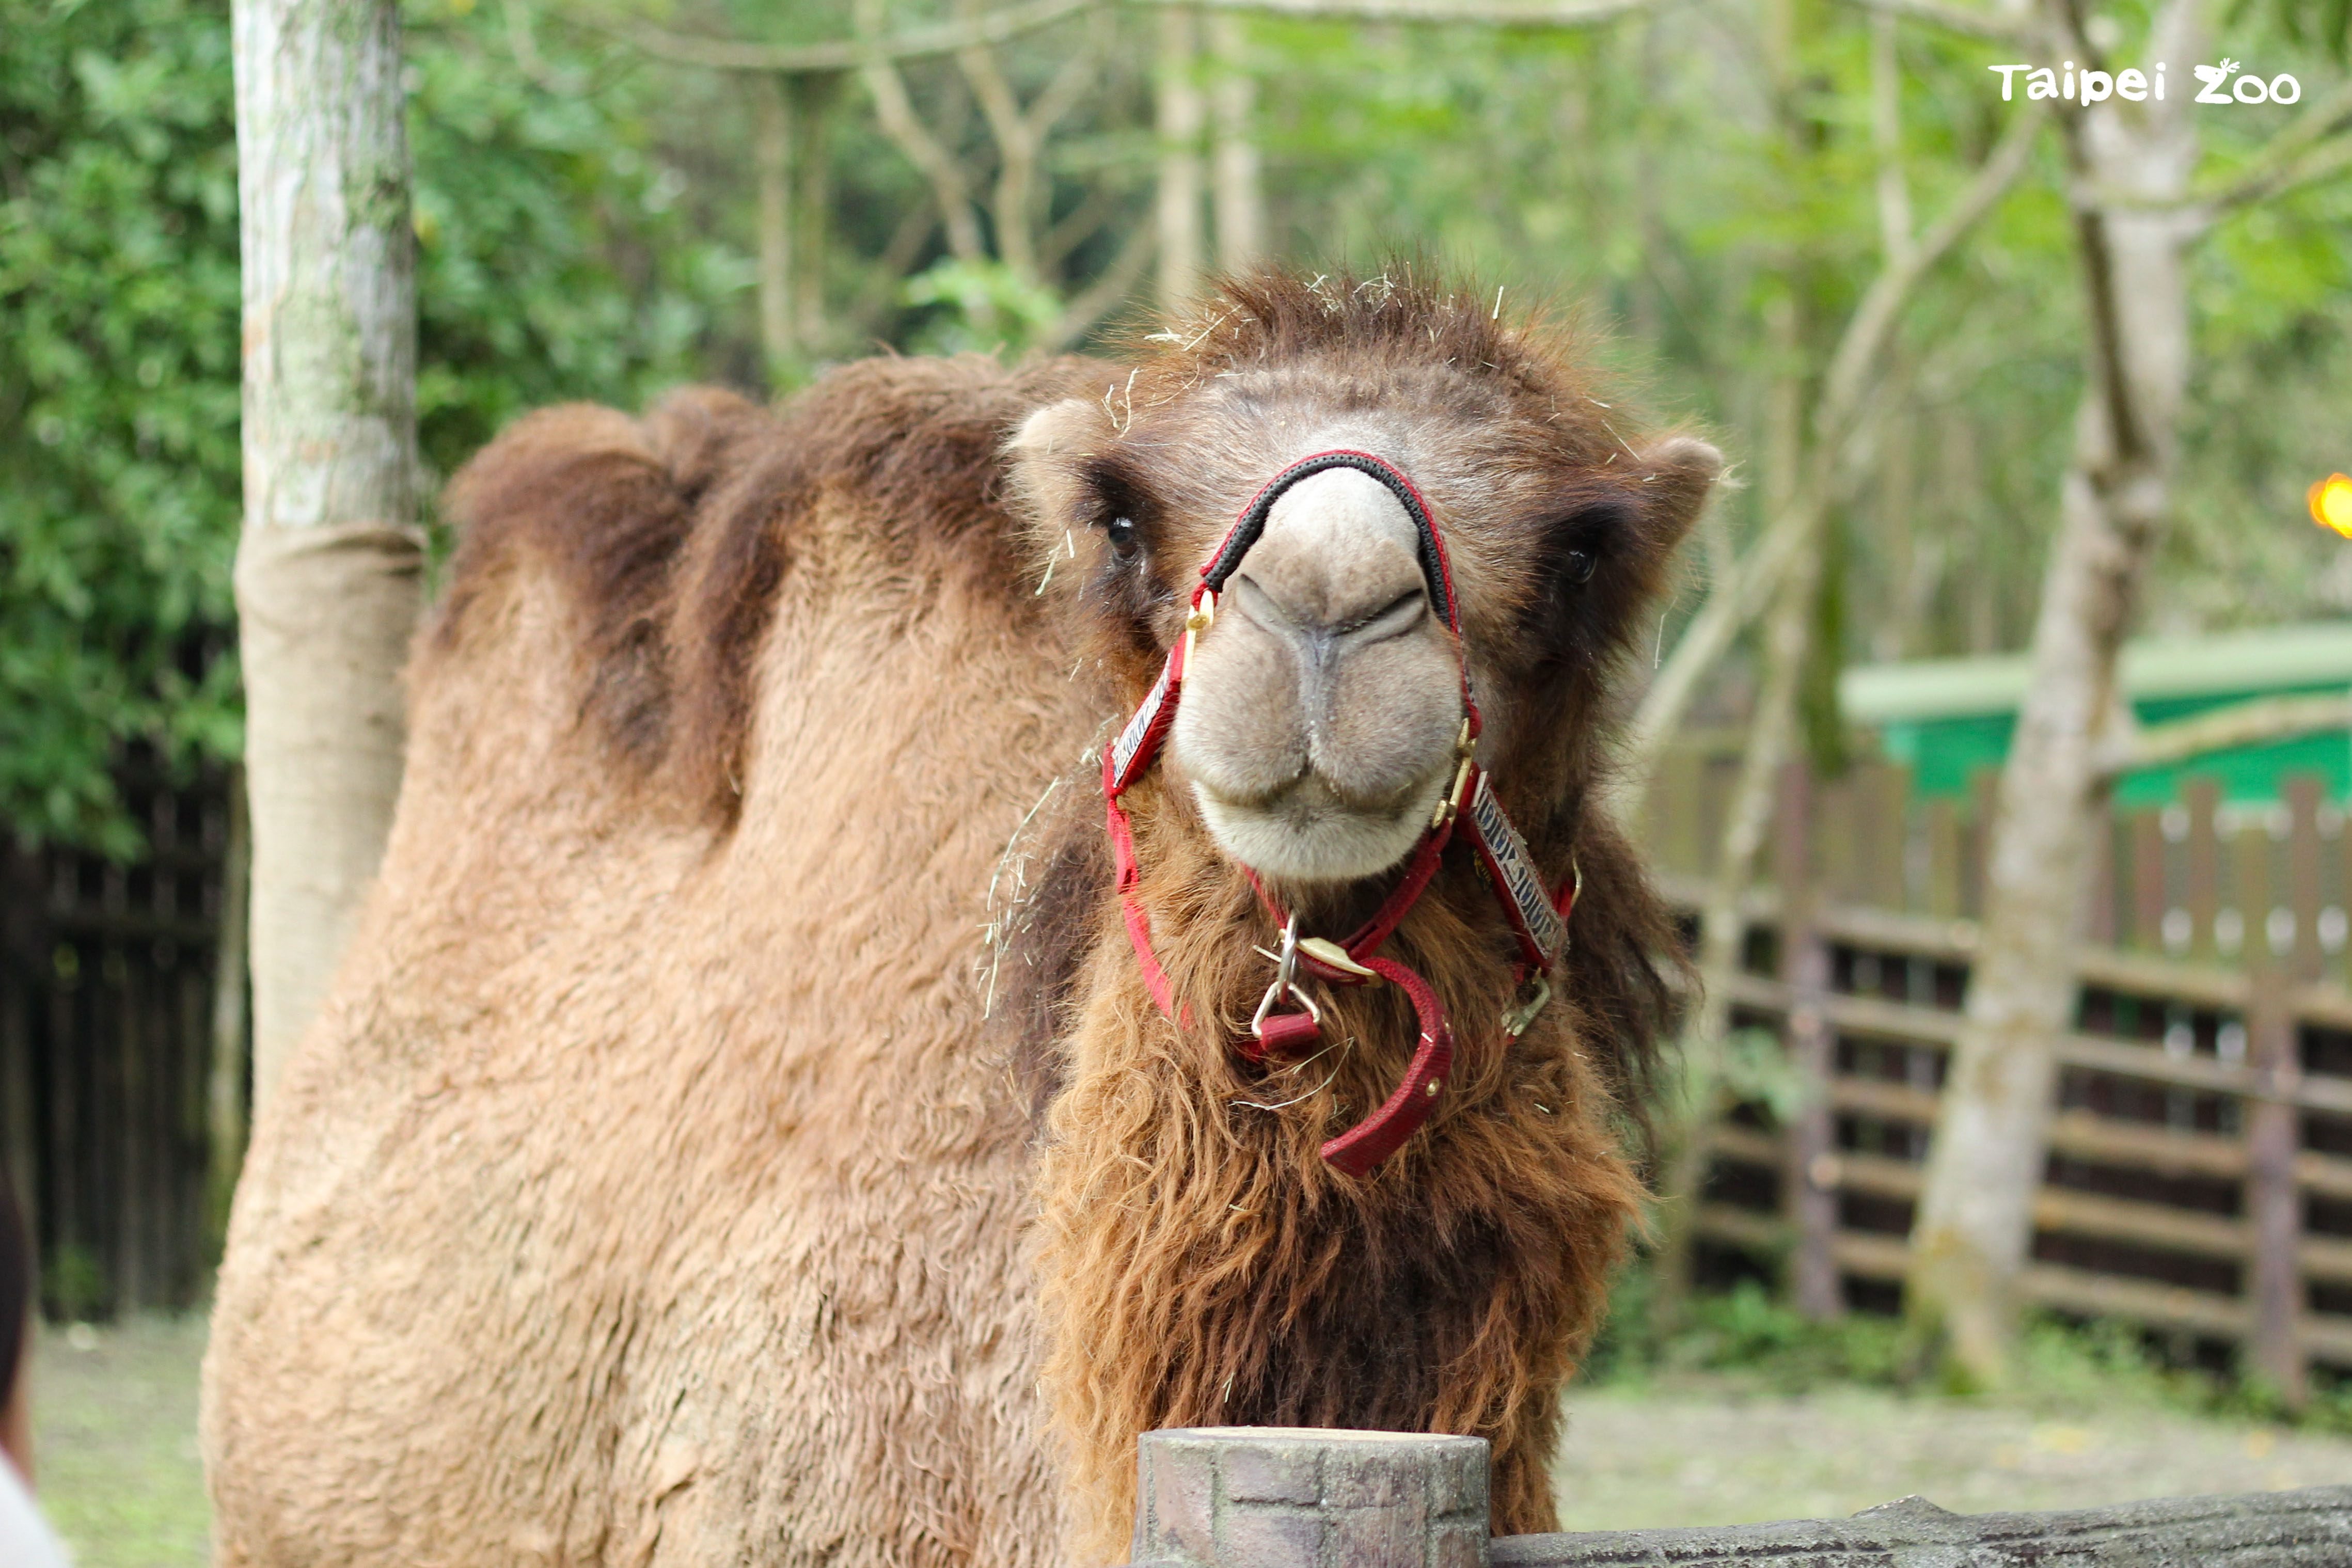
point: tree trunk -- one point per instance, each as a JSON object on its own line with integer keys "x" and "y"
{"x": 1723, "y": 932}
{"x": 1240, "y": 195}
{"x": 819, "y": 96}
{"x": 1975, "y": 1221}
{"x": 329, "y": 564}
{"x": 1180, "y": 116}
{"x": 779, "y": 337}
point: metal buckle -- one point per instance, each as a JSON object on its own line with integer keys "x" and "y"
{"x": 1198, "y": 620}
{"x": 1450, "y": 805}
{"x": 1286, "y": 983}
{"x": 1515, "y": 1021}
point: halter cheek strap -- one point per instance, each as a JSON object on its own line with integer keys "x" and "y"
{"x": 1536, "y": 918}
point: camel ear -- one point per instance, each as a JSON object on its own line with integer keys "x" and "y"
{"x": 1678, "y": 471}
{"x": 1044, "y": 459}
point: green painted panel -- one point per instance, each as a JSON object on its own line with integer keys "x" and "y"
{"x": 1944, "y": 752}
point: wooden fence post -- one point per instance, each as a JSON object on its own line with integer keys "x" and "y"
{"x": 1284, "y": 1497}
{"x": 2274, "y": 1126}
{"x": 1275, "y": 1497}
{"x": 2202, "y": 796}
{"x": 2304, "y": 793}
{"x": 1809, "y": 1183}
{"x": 2148, "y": 880}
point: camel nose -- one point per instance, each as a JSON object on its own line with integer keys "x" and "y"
{"x": 1337, "y": 569}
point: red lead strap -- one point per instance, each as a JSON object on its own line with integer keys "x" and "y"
{"x": 1537, "y": 919}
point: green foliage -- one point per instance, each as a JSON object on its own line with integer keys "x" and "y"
{"x": 73, "y": 1285}
{"x": 119, "y": 473}
{"x": 563, "y": 250}
{"x": 1748, "y": 1335}
{"x": 1756, "y": 1071}
{"x": 560, "y": 255}
{"x": 983, "y": 306}
{"x": 1747, "y": 1331}
{"x": 585, "y": 218}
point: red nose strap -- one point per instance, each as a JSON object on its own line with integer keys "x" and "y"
{"x": 1537, "y": 919}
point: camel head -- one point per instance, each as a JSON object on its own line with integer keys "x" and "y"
{"x": 1322, "y": 707}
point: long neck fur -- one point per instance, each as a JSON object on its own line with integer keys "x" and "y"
{"x": 1201, "y": 1265}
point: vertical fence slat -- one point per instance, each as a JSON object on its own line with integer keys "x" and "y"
{"x": 2099, "y": 914}
{"x": 2302, "y": 795}
{"x": 2203, "y": 896}
{"x": 1890, "y": 839}
{"x": 1944, "y": 852}
{"x": 2147, "y": 879}
{"x": 1984, "y": 805}
{"x": 2273, "y": 1201}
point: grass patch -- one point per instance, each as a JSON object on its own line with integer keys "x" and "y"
{"x": 1749, "y": 1337}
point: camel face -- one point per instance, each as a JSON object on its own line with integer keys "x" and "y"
{"x": 1322, "y": 704}
{"x": 1322, "y": 707}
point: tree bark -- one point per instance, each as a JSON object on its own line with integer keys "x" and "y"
{"x": 779, "y": 336}
{"x": 818, "y": 97}
{"x": 1975, "y": 1223}
{"x": 1240, "y": 193}
{"x": 330, "y": 563}
{"x": 1180, "y": 116}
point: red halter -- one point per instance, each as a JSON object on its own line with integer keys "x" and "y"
{"x": 1536, "y": 918}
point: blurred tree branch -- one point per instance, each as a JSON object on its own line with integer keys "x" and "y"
{"x": 1480, "y": 13}
{"x": 2218, "y": 730}
{"x": 894, "y": 110}
{"x": 2282, "y": 164}
{"x": 1738, "y": 600}
{"x": 842, "y": 53}
{"x": 1964, "y": 19}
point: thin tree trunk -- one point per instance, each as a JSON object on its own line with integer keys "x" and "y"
{"x": 1852, "y": 371}
{"x": 1723, "y": 931}
{"x": 1723, "y": 928}
{"x": 1181, "y": 115}
{"x": 894, "y": 111}
{"x": 224, "y": 1084}
{"x": 1240, "y": 194}
{"x": 779, "y": 340}
{"x": 812, "y": 223}
{"x": 1975, "y": 1221}
{"x": 329, "y": 564}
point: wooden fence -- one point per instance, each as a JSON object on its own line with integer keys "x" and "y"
{"x": 1270, "y": 1497}
{"x": 2199, "y": 1178}
{"x": 106, "y": 992}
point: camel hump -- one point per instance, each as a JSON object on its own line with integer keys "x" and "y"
{"x": 599, "y": 506}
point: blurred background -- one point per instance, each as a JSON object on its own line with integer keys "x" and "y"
{"x": 1813, "y": 228}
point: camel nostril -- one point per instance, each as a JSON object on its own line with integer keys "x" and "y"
{"x": 1400, "y": 614}
{"x": 1323, "y": 622}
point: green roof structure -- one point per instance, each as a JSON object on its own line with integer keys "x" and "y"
{"x": 1947, "y": 718}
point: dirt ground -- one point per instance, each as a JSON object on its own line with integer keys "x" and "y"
{"x": 114, "y": 1420}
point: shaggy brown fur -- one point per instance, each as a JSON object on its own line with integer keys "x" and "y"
{"x": 651, "y": 1191}
{"x": 1201, "y": 1265}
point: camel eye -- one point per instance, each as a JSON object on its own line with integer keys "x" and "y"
{"x": 1120, "y": 532}
{"x": 1578, "y": 566}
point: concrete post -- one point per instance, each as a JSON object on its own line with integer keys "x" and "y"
{"x": 1281, "y": 1497}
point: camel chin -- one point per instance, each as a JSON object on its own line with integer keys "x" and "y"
{"x": 1306, "y": 835}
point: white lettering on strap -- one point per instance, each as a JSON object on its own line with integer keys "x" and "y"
{"x": 1139, "y": 729}
{"x": 1525, "y": 895}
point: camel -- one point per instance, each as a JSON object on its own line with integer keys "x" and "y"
{"x": 776, "y": 1109}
